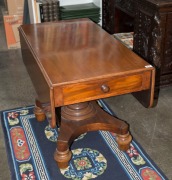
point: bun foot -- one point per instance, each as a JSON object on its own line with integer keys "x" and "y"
{"x": 124, "y": 141}
{"x": 39, "y": 114}
{"x": 62, "y": 165}
{"x": 62, "y": 158}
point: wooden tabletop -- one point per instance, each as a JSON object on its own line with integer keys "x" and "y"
{"x": 78, "y": 50}
{"x": 76, "y": 61}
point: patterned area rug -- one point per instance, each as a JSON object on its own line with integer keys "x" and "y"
{"x": 30, "y": 146}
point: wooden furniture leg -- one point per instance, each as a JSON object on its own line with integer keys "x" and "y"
{"x": 79, "y": 118}
{"x": 43, "y": 111}
{"x": 39, "y": 111}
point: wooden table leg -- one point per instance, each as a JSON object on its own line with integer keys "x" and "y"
{"x": 39, "y": 111}
{"x": 43, "y": 112}
{"x": 79, "y": 118}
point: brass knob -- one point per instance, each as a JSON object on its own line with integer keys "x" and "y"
{"x": 105, "y": 88}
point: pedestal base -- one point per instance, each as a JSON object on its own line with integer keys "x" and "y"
{"x": 84, "y": 117}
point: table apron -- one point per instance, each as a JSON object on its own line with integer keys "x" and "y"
{"x": 91, "y": 90}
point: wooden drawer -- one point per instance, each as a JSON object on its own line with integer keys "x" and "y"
{"x": 101, "y": 88}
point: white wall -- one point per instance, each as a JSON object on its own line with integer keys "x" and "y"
{"x": 72, "y": 2}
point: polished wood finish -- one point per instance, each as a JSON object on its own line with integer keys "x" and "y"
{"x": 75, "y": 62}
{"x": 85, "y": 117}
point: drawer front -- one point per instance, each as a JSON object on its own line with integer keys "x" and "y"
{"x": 91, "y": 90}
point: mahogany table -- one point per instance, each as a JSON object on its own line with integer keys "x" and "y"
{"x": 72, "y": 63}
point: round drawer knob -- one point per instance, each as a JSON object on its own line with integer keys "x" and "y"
{"x": 105, "y": 88}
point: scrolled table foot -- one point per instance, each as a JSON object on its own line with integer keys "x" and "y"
{"x": 62, "y": 158}
{"x": 123, "y": 141}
